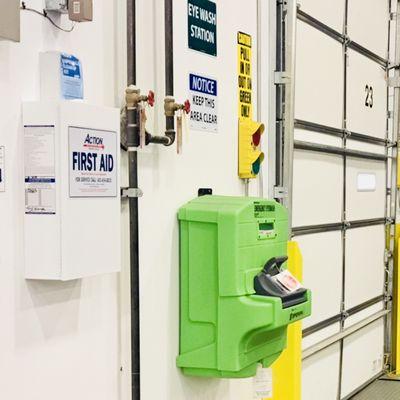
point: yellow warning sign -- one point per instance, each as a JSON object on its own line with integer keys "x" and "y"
{"x": 244, "y": 75}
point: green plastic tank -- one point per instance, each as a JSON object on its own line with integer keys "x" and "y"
{"x": 226, "y": 329}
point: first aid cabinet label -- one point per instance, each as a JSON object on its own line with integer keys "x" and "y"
{"x": 92, "y": 163}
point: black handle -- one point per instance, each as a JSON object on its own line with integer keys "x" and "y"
{"x": 274, "y": 263}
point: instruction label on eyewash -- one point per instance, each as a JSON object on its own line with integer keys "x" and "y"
{"x": 40, "y": 180}
{"x": 204, "y": 103}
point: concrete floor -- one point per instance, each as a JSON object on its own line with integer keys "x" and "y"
{"x": 380, "y": 390}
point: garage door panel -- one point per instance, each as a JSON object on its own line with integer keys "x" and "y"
{"x": 364, "y": 314}
{"x": 317, "y": 188}
{"x": 321, "y": 375}
{"x": 319, "y": 78}
{"x": 368, "y": 24}
{"x": 365, "y": 249}
{"x": 366, "y": 96}
{"x": 317, "y": 137}
{"x": 362, "y": 356}
{"x": 322, "y": 265}
{"x": 329, "y": 12}
{"x": 320, "y": 335}
{"x": 368, "y": 147}
{"x": 365, "y": 189}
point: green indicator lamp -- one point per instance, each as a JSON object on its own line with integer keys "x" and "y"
{"x": 257, "y": 164}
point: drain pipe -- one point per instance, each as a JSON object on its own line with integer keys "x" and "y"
{"x": 132, "y": 119}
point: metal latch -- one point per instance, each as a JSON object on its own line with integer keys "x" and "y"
{"x": 127, "y": 193}
{"x": 280, "y": 192}
{"x": 282, "y": 78}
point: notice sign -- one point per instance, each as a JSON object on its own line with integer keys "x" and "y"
{"x": 204, "y": 107}
{"x": 40, "y": 179}
{"x": 2, "y": 167}
{"x": 244, "y": 75}
{"x": 92, "y": 163}
{"x": 202, "y": 26}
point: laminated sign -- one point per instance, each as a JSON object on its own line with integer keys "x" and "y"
{"x": 244, "y": 75}
{"x": 202, "y": 26}
{"x": 71, "y": 77}
{"x": 40, "y": 171}
{"x": 92, "y": 163}
{"x": 204, "y": 106}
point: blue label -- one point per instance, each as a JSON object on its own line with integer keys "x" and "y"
{"x": 71, "y": 77}
{"x": 203, "y": 85}
{"x": 35, "y": 179}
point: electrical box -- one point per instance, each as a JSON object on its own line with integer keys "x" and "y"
{"x": 233, "y": 313}
{"x": 80, "y": 10}
{"x": 60, "y": 6}
{"x": 61, "y": 76}
{"x": 10, "y": 20}
{"x": 72, "y": 190}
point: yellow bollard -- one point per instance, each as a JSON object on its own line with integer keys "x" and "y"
{"x": 286, "y": 371}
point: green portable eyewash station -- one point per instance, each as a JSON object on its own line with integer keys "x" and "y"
{"x": 233, "y": 313}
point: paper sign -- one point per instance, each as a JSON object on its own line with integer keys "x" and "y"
{"x": 244, "y": 75}
{"x": 262, "y": 383}
{"x": 204, "y": 103}
{"x": 40, "y": 179}
{"x": 71, "y": 77}
{"x": 93, "y": 162}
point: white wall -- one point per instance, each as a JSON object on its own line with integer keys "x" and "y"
{"x": 57, "y": 340}
{"x": 169, "y": 180}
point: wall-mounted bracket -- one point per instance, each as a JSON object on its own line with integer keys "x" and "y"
{"x": 282, "y": 78}
{"x": 280, "y": 192}
{"x": 127, "y": 193}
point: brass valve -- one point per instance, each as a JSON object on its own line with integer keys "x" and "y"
{"x": 170, "y": 107}
{"x": 133, "y": 97}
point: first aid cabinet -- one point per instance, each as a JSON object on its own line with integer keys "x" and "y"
{"x": 72, "y": 190}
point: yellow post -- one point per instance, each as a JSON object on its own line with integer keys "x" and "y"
{"x": 286, "y": 371}
{"x": 395, "y": 312}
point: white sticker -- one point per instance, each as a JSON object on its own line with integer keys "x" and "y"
{"x": 92, "y": 163}
{"x": 77, "y": 7}
{"x": 262, "y": 383}
{"x": 2, "y": 169}
{"x": 40, "y": 180}
{"x": 366, "y": 182}
{"x": 204, "y": 103}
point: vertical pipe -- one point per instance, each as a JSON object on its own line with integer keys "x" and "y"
{"x": 169, "y": 59}
{"x": 288, "y": 134}
{"x": 279, "y": 66}
{"x": 133, "y": 213}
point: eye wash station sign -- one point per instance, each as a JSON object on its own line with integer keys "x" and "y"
{"x": 202, "y": 26}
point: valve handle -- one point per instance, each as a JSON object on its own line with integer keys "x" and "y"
{"x": 186, "y": 106}
{"x": 151, "y": 98}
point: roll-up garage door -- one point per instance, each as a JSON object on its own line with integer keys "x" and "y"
{"x": 341, "y": 164}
